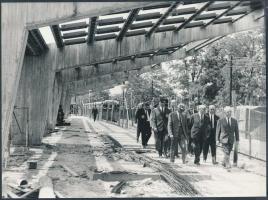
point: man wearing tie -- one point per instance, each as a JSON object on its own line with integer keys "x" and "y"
{"x": 228, "y": 135}
{"x": 211, "y": 139}
{"x": 143, "y": 124}
{"x": 178, "y": 132}
{"x": 159, "y": 120}
{"x": 200, "y": 128}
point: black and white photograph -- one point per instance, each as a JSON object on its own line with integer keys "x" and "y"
{"x": 133, "y": 99}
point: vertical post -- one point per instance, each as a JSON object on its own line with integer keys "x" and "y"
{"x": 152, "y": 88}
{"x": 27, "y": 127}
{"x": 119, "y": 115}
{"x": 123, "y": 114}
{"x": 231, "y": 80}
{"x": 127, "y": 112}
{"x": 112, "y": 113}
{"x": 131, "y": 109}
{"x": 107, "y": 112}
{"x": 249, "y": 134}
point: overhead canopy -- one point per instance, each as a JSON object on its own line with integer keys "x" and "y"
{"x": 165, "y": 17}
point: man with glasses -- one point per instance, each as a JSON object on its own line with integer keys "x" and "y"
{"x": 228, "y": 135}
{"x": 211, "y": 139}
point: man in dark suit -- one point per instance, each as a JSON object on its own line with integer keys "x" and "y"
{"x": 159, "y": 120}
{"x": 95, "y": 112}
{"x": 199, "y": 131}
{"x": 143, "y": 124}
{"x": 190, "y": 111}
{"x": 137, "y": 119}
{"x": 211, "y": 140}
{"x": 228, "y": 135}
{"x": 178, "y": 132}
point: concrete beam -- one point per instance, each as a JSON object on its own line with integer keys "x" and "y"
{"x": 81, "y": 55}
{"x": 119, "y": 66}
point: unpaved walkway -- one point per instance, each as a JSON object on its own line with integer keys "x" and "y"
{"x": 85, "y": 147}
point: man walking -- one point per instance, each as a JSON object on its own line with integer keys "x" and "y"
{"x": 199, "y": 131}
{"x": 211, "y": 139}
{"x": 159, "y": 120}
{"x": 95, "y": 112}
{"x": 178, "y": 132}
{"x": 143, "y": 125}
{"x": 228, "y": 135}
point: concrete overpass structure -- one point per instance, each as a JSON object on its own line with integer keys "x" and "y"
{"x": 109, "y": 40}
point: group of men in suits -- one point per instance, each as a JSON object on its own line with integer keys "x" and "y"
{"x": 201, "y": 130}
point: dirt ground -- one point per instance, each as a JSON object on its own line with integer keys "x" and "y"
{"x": 86, "y": 160}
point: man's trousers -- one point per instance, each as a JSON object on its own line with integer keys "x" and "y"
{"x": 175, "y": 141}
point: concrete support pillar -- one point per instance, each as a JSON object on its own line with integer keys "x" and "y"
{"x": 57, "y": 94}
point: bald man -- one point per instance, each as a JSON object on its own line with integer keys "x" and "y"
{"x": 200, "y": 128}
{"x": 227, "y": 134}
{"x": 211, "y": 139}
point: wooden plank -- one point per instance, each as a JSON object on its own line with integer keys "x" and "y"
{"x": 166, "y": 5}
{"x": 174, "y": 20}
{"x": 59, "y": 195}
{"x": 148, "y": 16}
{"x": 69, "y": 170}
{"x": 206, "y": 16}
{"x": 46, "y": 190}
{"x": 165, "y": 28}
{"x": 92, "y": 30}
{"x": 141, "y": 25}
{"x": 117, "y": 189}
{"x": 73, "y": 26}
{"x": 30, "y": 192}
{"x": 237, "y": 12}
{"x": 194, "y": 24}
{"x": 131, "y": 17}
{"x": 75, "y": 41}
{"x": 105, "y": 37}
{"x": 223, "y": 13}
{"x": 214, "y": 40}
{"x": 194, "y": 15}
{"x": 12, "y": 194}
{"x": 162, "y": 18}
{"x": 57, "y": 35}
{"x": 219, "y": 6}
{"x": 136, "y": 32}
{"x": 108, "y": 29}
{"x": 74, "y": 34}
{"x": 111, "y": 21}
{"x": 223, "y": 20}
{"x": 184, "y": 11}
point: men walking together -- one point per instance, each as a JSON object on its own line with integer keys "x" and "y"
{"x": 178, "y": 132}
{"x": 228, "y": 135}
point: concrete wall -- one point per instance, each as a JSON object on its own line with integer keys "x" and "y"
{"x": 36, "y": 92}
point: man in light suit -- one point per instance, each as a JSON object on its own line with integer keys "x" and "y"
{"x": 211, "y": 139}
{"x": 178, "y": 132}
{"x": 199, "y": 131}
{"x": 228, "y": 135}
{"x": 159, "y": 120}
